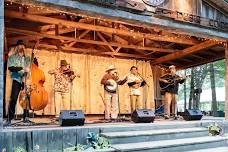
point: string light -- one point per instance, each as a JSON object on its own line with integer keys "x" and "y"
{"x": 100, "y": 20}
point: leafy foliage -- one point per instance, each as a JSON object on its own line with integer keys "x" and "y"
{"x": 19, "y": 149}
{"x": 201, "y": 79}
{"x": 214, "y": 129}
{"x": 94, "y": 142}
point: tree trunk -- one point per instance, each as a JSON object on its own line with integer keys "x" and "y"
{"x": 191, "y": 89}
{"x": 185, "y": 100}
{"x": 213, "y": 90}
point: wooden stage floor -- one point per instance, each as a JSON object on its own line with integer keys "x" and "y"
{"x": 50, "y": 122}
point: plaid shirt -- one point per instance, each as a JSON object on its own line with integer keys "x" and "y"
{"x": 17, "y": 61}
{"x": 62, "y": 81}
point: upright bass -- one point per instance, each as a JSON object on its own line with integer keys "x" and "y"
{"x": 34, "y": 96}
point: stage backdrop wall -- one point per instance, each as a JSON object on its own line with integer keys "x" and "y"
{"x": 87, "y": 92}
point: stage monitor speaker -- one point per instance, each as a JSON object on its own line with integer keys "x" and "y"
{"x": 71, "y": 118}
{"x": 143, "y": 116}
{"x": 192, "y": 114}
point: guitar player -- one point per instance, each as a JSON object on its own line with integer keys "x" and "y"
{"x": 170, "y": 85}
{"x": 135, "y": 81}
{"x": 110, "y": 81}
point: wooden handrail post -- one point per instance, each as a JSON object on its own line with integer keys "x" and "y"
{"x": 226, "y": 80}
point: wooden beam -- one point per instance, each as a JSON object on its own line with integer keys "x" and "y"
{"x": 13, "y": 40}
{"x": 49, "y": 20}
{"x": 91, "y": 51}
{"x": 31, "y": 33}
{"x": 117, "y": 50}
{"x": 185, "y": 60}
{"x": 80, "y": 37}
{"x": 226, "y": 81}
{"x": 209, "y": 52}
{"x": 219, "y": 56}
{"x": 187, "y": 51}
{"x": 61, "y": 31}
{"x": 56, "y": 29}
{"x": 104, "y": 40}
{"x": 196, "y": 56}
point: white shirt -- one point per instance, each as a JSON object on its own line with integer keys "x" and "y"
{"x": 133, "y": 78}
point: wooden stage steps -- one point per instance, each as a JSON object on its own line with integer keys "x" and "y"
{"x": 160, "y": 136}
{"x": 167, "y": 137}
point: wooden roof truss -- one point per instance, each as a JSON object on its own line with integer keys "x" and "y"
{"x": 57, "y": 31}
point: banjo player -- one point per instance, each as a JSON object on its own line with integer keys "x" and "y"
{"x": 110, "y": 81}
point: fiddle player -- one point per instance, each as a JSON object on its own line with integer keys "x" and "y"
{"x": 172, "y": 81}
{"x": 110, "y": 95}
{"x": 18, "y": 65}
{"x": 135, "y": 81}
{"x": 63, "y": 77}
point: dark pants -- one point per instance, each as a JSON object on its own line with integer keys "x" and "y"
{"x": 16, "y": 88}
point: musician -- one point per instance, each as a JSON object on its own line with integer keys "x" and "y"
{"x": 63, "y": 77}
{"x": 110, "y": 96}
{"x": 172, "y": 81}
{"x": 18, "y": 65}
{"x": 135, "y": 81}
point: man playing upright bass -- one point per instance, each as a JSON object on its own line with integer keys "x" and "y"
{"x": 19, "y": 66}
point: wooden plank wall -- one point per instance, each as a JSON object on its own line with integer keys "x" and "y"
{"x": 44, "y": 140}
{"x": 87, "y": 91}
{"x": 211, "y": 12}
{"x": 186, "y": 6}
{"x": 195, "y": 7}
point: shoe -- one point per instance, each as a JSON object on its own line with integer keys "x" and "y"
{"x": 107, "y": 120}
{"x": 175, "y": 117}
{"x": 6, "y": 123}
{"x": 166, "y": 116}
{"x": 56, "y": 118}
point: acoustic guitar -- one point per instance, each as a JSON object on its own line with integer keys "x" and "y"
{"x": 171, "y": 81}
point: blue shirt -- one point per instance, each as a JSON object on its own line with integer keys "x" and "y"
{"x": 17, "y": 61}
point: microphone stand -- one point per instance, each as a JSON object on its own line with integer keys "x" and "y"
{"x": 145, "y": 90}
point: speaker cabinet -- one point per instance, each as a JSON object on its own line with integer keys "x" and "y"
{"x": 71, "y": 118}
{"x": 143, "y": 116}
{"x": 192, "y": 114}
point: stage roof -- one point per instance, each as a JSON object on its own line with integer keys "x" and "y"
{"x": 141, "y": 32}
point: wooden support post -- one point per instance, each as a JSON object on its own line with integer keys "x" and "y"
{"x": 226, "y": 81}
{"x": 1, "y": 62}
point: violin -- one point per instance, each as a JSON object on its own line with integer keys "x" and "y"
{"x": 68, "y": 72}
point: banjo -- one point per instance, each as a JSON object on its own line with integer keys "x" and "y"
{"x": 111, "y": 88}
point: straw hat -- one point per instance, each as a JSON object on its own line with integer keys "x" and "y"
{"x": 110, "y": 68}
{"x": 172, "y": 66}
